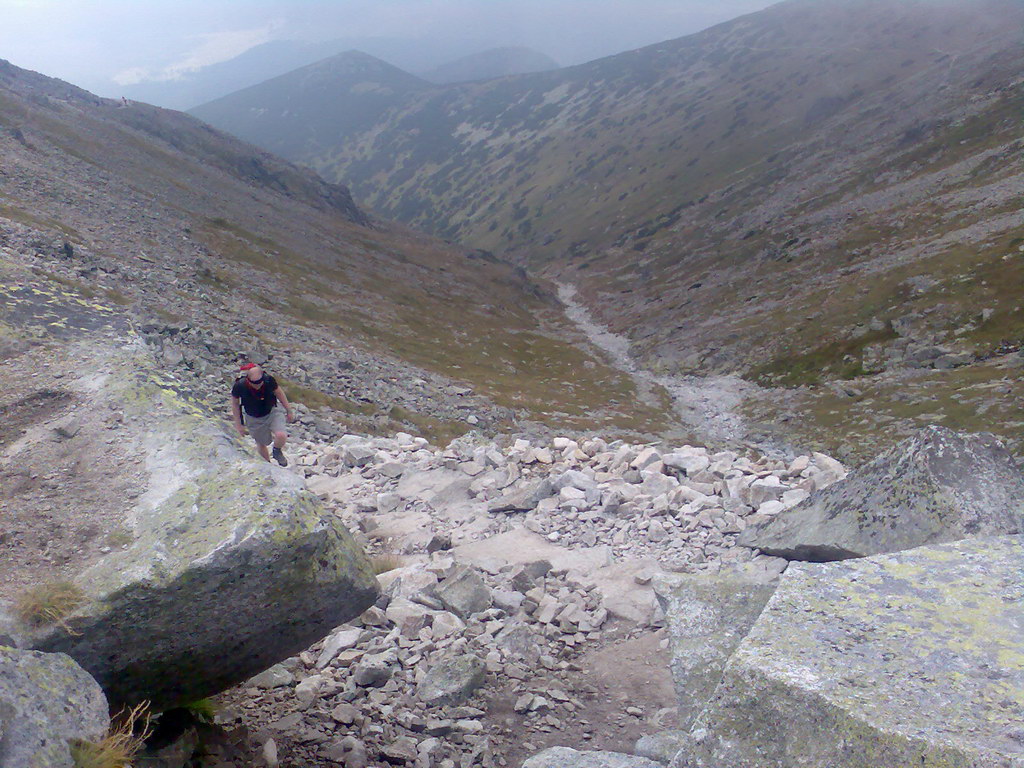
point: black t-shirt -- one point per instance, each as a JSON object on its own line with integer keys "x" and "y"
{"x": 256, "y": 402}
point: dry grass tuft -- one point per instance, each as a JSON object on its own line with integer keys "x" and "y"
{"x": 384, "y": 563}
{"x": 125, "y": 739}
{"x": 50, "y": 603}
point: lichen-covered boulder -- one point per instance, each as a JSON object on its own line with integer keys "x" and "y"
{"x": 234, "y": 565}
{"x": 564, "y": 757}
{"x": 452, "y": 681}
{"x": 908, "y": 659}
{"x": 707, "y": 616}
{"x": 47, "y": 702}
{"x": 937, "y": 486}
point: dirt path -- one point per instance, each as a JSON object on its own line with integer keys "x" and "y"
{"x": 707, "y": 405}
{"x": 624, "y": 691}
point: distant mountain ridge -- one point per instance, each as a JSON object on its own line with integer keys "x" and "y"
{"x": 319, "y": 105}
{"x": 486, "y": 65}
{"x": 434, "y": 60}
{"x": 259, "y": 63}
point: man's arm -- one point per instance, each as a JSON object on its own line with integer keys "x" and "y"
{"x": 236, "y": 415}
{"x": 283, "y": 398}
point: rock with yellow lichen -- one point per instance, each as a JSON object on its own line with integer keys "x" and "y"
{"x": 47, "y": 702}
{"x": 707, "y": 615}
{"x": 937, "y": 486}
{"x": 907, "y": 659}
{"x": 234, "y": 564}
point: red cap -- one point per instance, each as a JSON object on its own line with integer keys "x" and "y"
{"x": 246, "y": 366}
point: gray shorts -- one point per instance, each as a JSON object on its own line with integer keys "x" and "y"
{"x": 262, "y": 428}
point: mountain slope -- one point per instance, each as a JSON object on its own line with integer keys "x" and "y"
{"x": 561, "y": 157}
{"x": 315, "y": 106}
{"x": 214, "y": 248}
{"x": 815, "y": 192}
{"x": 259, "y": 63}
{"x": 486, "y": 65}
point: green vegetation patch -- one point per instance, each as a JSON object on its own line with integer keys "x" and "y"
{"x": 315, "y": 398}
{"x": 437, "y": 431}
{"x": 842, "y": 359}
{"x": 977, "y": 398}
{"x": 22, "y": 216}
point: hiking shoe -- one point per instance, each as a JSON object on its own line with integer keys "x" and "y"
{"x": 279, "y": 456}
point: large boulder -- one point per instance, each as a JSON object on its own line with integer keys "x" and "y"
{"x": 47, "y": 702}
{"x": 707, "y": 616}
{"x": 913, "y": 658}
{"x": 564, "y": 757}
{"x": 937, "y": 486}
{"x": 234, "y": 565}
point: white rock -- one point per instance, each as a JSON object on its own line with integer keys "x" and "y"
{"x": 340, "y": 640}
{"x": 388, "y": 502}
{"x": 446, "y": 624}
{"x": 830, "y": 470}
{"x": 308, "y": 690}
{"x": 568, "y": 493}
{"x": 690, "y": 463}
{"x": 270, "y": 754}
{"x": 656, "y": 531}
{"x": 275, "y": 677}
{"x": 645, "y": 458}
{"x": 765, "y": 489}
{"x": 543, "y": 456}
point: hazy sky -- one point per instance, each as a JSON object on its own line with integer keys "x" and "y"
{"x": 98, "y": 43}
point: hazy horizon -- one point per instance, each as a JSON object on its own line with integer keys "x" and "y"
{"x": 106, "y": 45}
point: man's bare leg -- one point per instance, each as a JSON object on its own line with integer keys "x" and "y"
{"x": 264, "y": 451}
{"x": 278, "y": 454}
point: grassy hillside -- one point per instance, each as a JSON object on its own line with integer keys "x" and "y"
{"x": 153, "y": 212}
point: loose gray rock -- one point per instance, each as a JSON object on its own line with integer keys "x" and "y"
{"x": 661, "y": 747}
{"x": 234, "y": 568}
{"x": 937, "y": 486}
{"x": 911, "y": 658}
{"x": 275, "y": 677}
{"x": 340, "y": 640}
{"x": 523, "y": 499}
{"x": 464, "y": 593}
{"x": 452, "y": 681}
{"x": 371, "y": 673}
{"x": 707, "y": 616}
{"x": 46, "y": 700}
{"x": 563, "y": 757}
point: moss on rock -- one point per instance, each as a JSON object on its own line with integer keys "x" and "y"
{"x": 46, "y": 702}
{"x": 913, "y": 658}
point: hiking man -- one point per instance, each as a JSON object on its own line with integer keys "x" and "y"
{"x": 258, "y": 394}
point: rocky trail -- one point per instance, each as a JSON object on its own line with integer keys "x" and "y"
{"x": 545, "y": 602}
{"x": 709, "y": 406}
{"x": 518, "y": 611}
